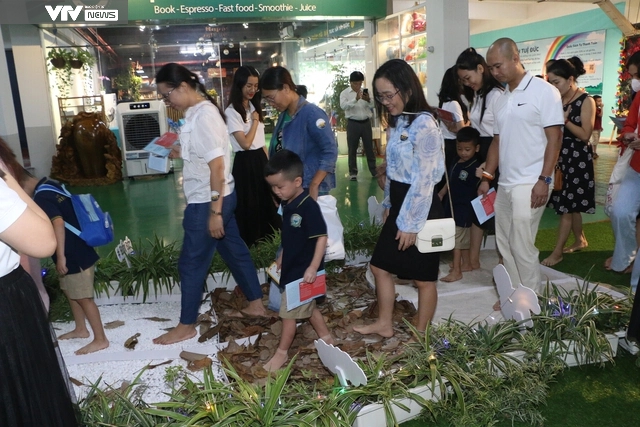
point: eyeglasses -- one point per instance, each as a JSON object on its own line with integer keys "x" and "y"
{"x": 382, "y": 98}
{"x": 165, "y": 96}
{"x": 271, "y": 99}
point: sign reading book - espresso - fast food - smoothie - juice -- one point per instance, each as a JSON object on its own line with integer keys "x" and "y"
{"x": 589, "y": 47}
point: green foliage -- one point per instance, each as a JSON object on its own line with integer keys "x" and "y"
{"x": 130, "y": 82}
{"x": 340, "y": 82}
{"x": 360, "y": 237}
{"x": 60, "y": 61}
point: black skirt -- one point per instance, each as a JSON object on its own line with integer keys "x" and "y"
{"x": 34, "y": 386}
{"x": 410, "y": 263}
{"x": 256, "y": 212}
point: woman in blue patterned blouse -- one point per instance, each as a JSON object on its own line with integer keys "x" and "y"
{"x": 415, "y": 164}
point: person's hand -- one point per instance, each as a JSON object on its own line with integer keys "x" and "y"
{"x": 630, "y": 137}
{"x": 483, "y": 188}
{"x": 61, "y": 265}
{"x": 176, "y": 152}
{"x": 310, "y": 275}
{"x": 539, "y": 195}
{"x": 216, "y": 226}
{"x": 479, "y": 172}
{"x": 358, "y": 95}
{"x": 634, "y": 145}
{"x": 441, "y": 193}
{"x": 255, "y": 116}
{"x": 366, "y": 96}
{"x": 405, "y": 240}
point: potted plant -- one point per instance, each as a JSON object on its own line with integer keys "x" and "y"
{"x": 340, "y": 82}
{"x": 58, "y": 57}
{"x": 128, "y": 82}
{"x": 80, "y": 58}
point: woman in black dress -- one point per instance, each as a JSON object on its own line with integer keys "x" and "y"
{"x": 415, "y": 164}
{"x": 256, "y": 212}
{"x": 34, "y": 386}
{"x": 576, "y": 161}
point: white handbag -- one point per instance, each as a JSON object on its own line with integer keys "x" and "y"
{"x": 438, "y": 235}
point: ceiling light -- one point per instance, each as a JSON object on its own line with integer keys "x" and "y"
{"x": 245, "y": 24}
{"x": 259, "y": 52}
{"x": 142, "y": 27}
{"x": 274, "y": 54}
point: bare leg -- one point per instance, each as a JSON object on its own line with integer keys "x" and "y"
{"x": 455, "y": 273}
{"x": 286, "y": 338}
{"x": 477, "y": 234}
{"x": 427, "y": 302}
{"x": 563, "y": 234}
{"x": 80, "y": 330}
{"x": 92, "y": 313}
{"x": 464, "y": 259}
{"x": 578, "y": 232}
{"x": 317, "y": 321}
{"x": 386, "y": 293}
{"x": 179, "y": 333}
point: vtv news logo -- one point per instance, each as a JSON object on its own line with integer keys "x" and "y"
{"x": 93, "y": 14}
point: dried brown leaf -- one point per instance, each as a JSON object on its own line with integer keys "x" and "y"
{"x": 166, "y": 362}
{"x": 114, "y": 324}
{"x": 155, "y": 319}
{"x": 198, "y": 365}
{"x": 76, "y": 382}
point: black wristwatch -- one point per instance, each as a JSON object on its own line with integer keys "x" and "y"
{"x": 546, "y": 179}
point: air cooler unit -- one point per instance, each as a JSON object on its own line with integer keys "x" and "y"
{"x": 139, "y": 123}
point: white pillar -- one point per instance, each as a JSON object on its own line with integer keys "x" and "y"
{"x": 32, "y": 78}
{"x": 8, "y": 125}
{"x": 447, "y": 37}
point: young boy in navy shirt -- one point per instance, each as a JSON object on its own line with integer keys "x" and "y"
{"x": 464, "y": 188}
{"x": 75, "y": 262}
{"x": 304, "y": 242}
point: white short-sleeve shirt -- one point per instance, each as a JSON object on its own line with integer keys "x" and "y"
{"x": 521, "y": 117}
{"x": 484, "y": 126}
{"x": 236, "y": 124}
{"x": 454, "y": 108}
{"x": 204, "y": 137}
{"x": 11, "y": 207}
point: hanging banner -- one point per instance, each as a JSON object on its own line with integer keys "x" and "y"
{"x": 589, "y": 47}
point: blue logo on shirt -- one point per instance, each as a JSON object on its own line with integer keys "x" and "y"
{"x": 296, "y": 220}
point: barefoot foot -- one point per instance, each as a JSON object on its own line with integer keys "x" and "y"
{"x": 256, "y": 309}
{"x": 328, "y": 339}
{"x": 607, "y": 263}
{"x": 551, "y": 260}
{"x": 179, "y": 333}
{"x": 93, "y": 346}
{"x": 276, "y": 362}
{"x": 74, "y": 334}
{"x": 375, "y": 328}
{"x": 451, "y": 277}
{"x": 576, "y": 247}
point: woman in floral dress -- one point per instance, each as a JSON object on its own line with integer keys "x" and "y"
{"x": 577, "y": 195}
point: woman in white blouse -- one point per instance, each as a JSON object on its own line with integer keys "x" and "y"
{"x": 34, "y": 388}
{"x": 481, "y": 90}
{"x": 256, "y": 212}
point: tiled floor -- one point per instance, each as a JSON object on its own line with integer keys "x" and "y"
{"x": 146, "y": 206}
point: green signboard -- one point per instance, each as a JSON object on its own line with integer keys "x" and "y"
{"x": 145, "y": 10}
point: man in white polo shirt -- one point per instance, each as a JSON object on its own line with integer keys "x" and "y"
{"x": 526, "y": 143}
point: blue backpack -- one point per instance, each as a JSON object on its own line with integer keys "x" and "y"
{"x": 96, "y": 227}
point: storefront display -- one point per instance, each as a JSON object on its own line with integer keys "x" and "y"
{"x": 404, "y": 36}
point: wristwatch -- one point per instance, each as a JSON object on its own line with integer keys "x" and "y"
{"x": 215, "y": 196}
{"x": 214, "y": 212}
{"x": 545, "y": 179}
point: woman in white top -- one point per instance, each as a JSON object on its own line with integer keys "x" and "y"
{"x": 34, "y": 387}
{"x": 209, "y": 223}
{"x": 450, "y": 99}
{"x": 256, "y": 212}
{"x": 481, "y": 90}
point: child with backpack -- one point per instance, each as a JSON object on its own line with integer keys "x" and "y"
{"x": 75, "y": 262}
